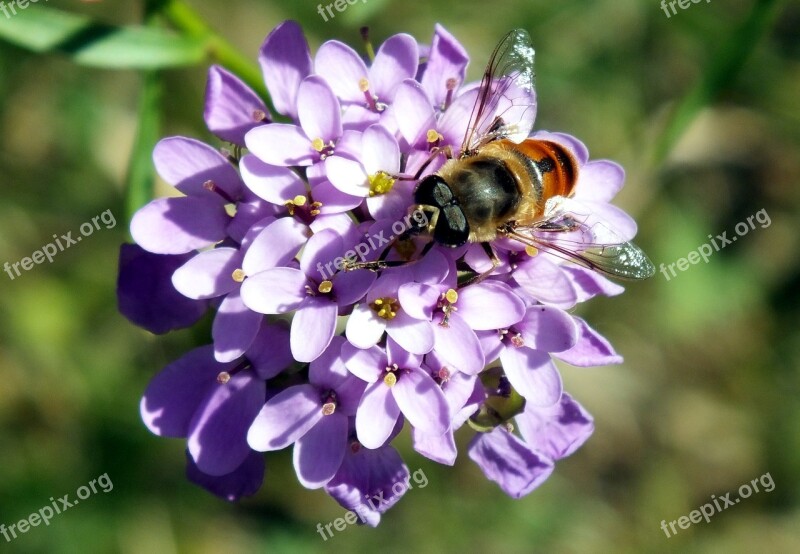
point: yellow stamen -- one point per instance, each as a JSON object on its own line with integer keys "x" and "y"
{"x": 531, "y": 250}
{"x": 328, "y": 408}
{"x": 433, "y": 135}
{"x": 390, "y": 379}
{"x": 317, "y": 144}
{"x": 325, "y": 287}
{"x": 380, "y": 183}
{"x": 299, "y": 200}
{"x": 385, "y": 308}
{"x": 223, "y": 377}
{"x": 238, "y": 275}
{"x": 451, "y": 296}
{"x": 363, "y": 85}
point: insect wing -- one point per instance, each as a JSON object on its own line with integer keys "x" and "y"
{"x": 506, "y": 103}
{"x": 570, "y": 232}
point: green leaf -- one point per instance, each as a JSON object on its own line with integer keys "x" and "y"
{"x": 141, "y": 175}
{"x": 45, "y": 30}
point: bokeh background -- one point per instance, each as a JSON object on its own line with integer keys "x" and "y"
{"x": 700, "y": 108}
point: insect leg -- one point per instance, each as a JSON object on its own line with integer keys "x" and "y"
{"x": 475, "y": 279}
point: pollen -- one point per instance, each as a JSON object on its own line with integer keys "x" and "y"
{"x": 318, "y": 144}
{"x": 386, "y": 308}
{"x": 299, "y": 200}
{"x": 433, "y": 136}
{"x": 531, "y": 250}
{"x": 380, "y": 183}
{"x": 238, "y": 275}
{"x": 390, "y": 379}
{"x": 363, "y": 85}
{"x": 517, "y": 341}
{"x": 328, "y": 408}
{"x": 325, "y": 287}
{"x": 223, "y": 377}
{"x": 451, "y": 296}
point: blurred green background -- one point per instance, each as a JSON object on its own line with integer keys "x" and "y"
{"x": 700, "y": 108}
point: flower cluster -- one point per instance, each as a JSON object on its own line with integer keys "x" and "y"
{"x": 331, "y": 361}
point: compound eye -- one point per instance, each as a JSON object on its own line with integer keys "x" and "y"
{"x": 433, "y": 191}
{"x": 452, "y": 228}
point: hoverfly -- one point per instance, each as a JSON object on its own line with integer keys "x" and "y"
{"x": 503, "y": 184}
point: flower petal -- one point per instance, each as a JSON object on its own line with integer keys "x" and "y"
{"x": 599, "y": 181}
{"x": 275, "y": 291}
{"x": 313, "y": 326}
{"x": 281, "y": 144}
{"x": 509, "y": 462}
{"x": 364, "y": 327}
{"x": 489, "y": 305}
{"x": 458, "y": 345}
{"x": 439, "y": 448}
{"x": 285, "y": 61}
{"x": 217, "y": 432}
{"x": 414, "y": 335}
{"x": 592, "y": 349}
{"x": 415, "y": 114}
{"x": 447, "y": 60}
{"x": 269, "y": 353}
{"x": 231, "y": 106}
{"x": 208, "y": 274}
{"x": 188, "y": 164}
{"x": 347, "y": 176}
{"x": 377, "y": 415}
{"x": 396, "y": 59}
{"x": 546, "y": 282}
{"x": 342, "y": 68}
{"x": 285, "y": 417}
{"x": 274, "y": 246}
{"x": 318, "y": 110}
{"x": 235, "y": 328}
{"x": 274, "y": 184}
{"x": 179, "y": 225}
{"x": 533, "y": 375}
{"x": 319, "y": 453}
{"x": 422, "y": 402}
{"x": 418, "y": 300}
{"x": 245, "y": 480}
{"x": 557, "y": 431}
{"x": 380, "y": 151}
{"x": 548, "y": 329}
{"x": 367, "y": 364}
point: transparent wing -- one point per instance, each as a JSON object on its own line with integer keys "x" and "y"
{"x": 582, "y": 238}
{"x": 506, "y": 104}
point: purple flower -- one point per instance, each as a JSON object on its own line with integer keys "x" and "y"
{"x": 314, "y": 417}
{"x": 397, "y": 385}
{"x": 273, "y": 235}
{"x": 312, "y": 141}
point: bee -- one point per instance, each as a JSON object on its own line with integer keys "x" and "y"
{"x": 502, "y": 184}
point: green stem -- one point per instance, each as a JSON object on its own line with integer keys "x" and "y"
{"x": 184, "y": 18}
{"x": 722, "y": 70}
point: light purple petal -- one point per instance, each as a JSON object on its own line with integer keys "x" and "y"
{"x": 245, "y": 480}
{"x": 364, "y": 327}
{"x": 208, "y": 274}
{"x": 588, "y": 284}
{"x": 179, "y": 225}
{"x": 447, "y": 60}
{"x": 396, "y": 59}
{"x": 322, "y": 248}
{"x": 285, "y": 417}
{"x": 218, "y": 429}
{"x": 175, "y": 393}
{"x": 533, "y": 374}
{"x": 269, "y": 353}
{"x": 377, "y": 415}
{"x": 546, "y": 282}
{"x": 285, "y": 61}
{"x": 418, "y": 300}
{"x": 367, "y": 364}
{"x": 415, "y": 114}
{"x": 489, "y": 305}
{"x": 318, "y": 110}
{"x": 281, "y": 144}
{"x": 592, "y": 349}
{"x": 348, "y": 176}
{"x": 342, "y": 68}
{"x": 231, "y": 106}
{"x": 278, "y": 243}
{"x": 319, "y": 453}
{"x": 414, "y": 335}
{"x": 380, "y": 151}
{"x": 439, "y": 448}
{"x": 422, "y": 402}
{"x": 313, "y": 326}
{"x": 507, "y": 461}
{"x": 234, "y": 329}
{"x": 548, "y": 329}
{"x": 188, "y": 164}
{"x": 557, "y": 431}
{"x": 273, "y": 183}
{"x": 458, "y": 345}
{"x": 275, "y": 291}
{"x": 599, "y": 181}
